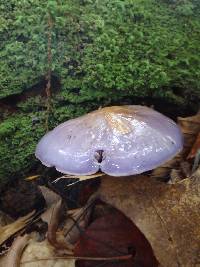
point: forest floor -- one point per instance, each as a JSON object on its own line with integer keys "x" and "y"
{"x": 106, "y": 221}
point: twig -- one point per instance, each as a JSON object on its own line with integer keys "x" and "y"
{"x": 116, "y": 258}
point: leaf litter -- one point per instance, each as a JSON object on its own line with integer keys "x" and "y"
{"x": 132, "y": 221}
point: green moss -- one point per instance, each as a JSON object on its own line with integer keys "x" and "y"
{"x": 141, "y": 47}
{"x": 18, "y": 136}
{"x": 102, "y": 51}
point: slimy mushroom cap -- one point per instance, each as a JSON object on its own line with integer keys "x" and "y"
{"x": 117, "y": 140}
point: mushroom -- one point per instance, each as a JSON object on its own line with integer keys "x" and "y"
{"x": 117, "y": 140}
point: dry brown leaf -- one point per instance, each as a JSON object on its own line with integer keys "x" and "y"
{"x": 31, "y": 178}
{"x": 13, "y": 257}
{"x": 166, "y": 168}
{"x": 195, "y": 147}
{"x": 38, "y": 254}
{"x": 10, "y": 229}
{"x": 168, "y": 215}
{"x": 114, "y": 235}
{"x": 190, "y": 127}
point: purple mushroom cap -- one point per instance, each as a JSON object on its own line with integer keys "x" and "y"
{"x": 118, "y": 140}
